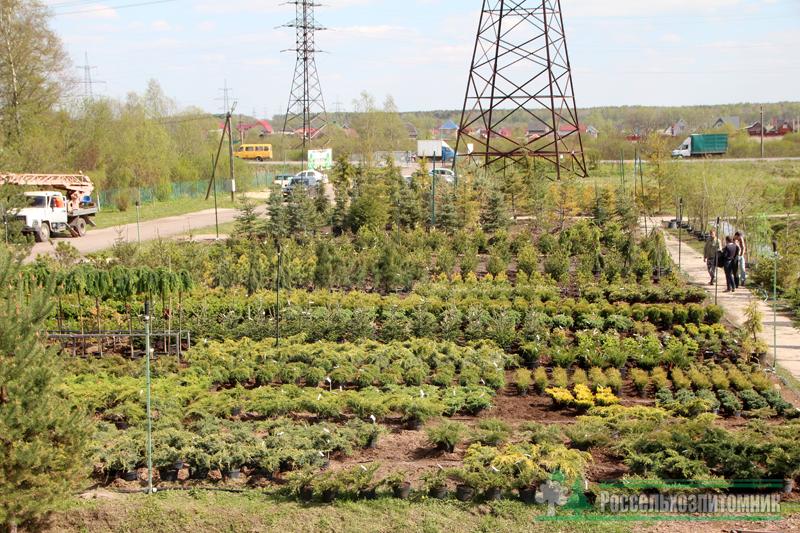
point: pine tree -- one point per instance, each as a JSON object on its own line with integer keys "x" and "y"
{"x": 495, "y": 216}
{"x": 247, "y": 221}
{"x": 277, "y": 225}
{"x": 323, "y": 272}
{"x": 303, "y": 217}
{"x": 42, "y": 437}
{"x": 447, "y": 218}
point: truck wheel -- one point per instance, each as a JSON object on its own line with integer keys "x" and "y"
{"x": 79, "y": 225}
{"x": 43, "y": 234}
{"x": 259, "y": 159}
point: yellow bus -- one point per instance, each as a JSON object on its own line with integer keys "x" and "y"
{"x": 259, "y": 152}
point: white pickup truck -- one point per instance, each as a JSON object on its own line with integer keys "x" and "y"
{"x": 64, "y": 205}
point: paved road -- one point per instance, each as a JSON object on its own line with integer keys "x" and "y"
{"x": 714, "y": 160}
{"x": 788, "y": 336}
{"x": 99, "y": 239}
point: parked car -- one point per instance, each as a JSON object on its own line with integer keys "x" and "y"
{"x": 308, "y": 180}
{"x": 443, "y": 173}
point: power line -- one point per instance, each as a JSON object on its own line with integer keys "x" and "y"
{"x": 106, "y": 8}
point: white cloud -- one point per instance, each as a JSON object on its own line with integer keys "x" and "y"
{"x": 161, "y": 25}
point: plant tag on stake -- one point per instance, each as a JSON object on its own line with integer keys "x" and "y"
{"x": 374, "y": 420}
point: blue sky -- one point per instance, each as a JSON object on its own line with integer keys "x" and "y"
{"x": 623, "y": 52}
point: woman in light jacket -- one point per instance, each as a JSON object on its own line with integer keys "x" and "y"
{"x": 742, "y": 266}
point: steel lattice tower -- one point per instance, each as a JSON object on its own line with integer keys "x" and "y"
{"x": 521, "y": 70}
{"x": 306, "y": 110}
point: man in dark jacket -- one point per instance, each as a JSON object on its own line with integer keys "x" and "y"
{"x": 731, "y": 256}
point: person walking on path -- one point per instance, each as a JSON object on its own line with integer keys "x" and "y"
{"x": 710, "y": 254}
{"x": 730, "y": 255}
{"x": 741, "y": 267}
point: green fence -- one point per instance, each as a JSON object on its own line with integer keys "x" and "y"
{"x": 184, "y": 189}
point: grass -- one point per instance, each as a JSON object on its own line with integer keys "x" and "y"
{"x": 110, "y": 217}
{"x": 255, "y": 511}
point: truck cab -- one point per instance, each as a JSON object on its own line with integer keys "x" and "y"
{"x": 684, "y": 150}
{"x": 50, "y": 212}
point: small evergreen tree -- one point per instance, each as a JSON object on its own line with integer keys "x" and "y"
{"x": 247, "y": 225}
{"x": 494, "y": 216}
{"x": 278, "y": 224}
{"x": 323, "y": 271}
{"x": 446, "y": 216}
{"x": 42, "y": 437}
{"x": 303, "y": 217}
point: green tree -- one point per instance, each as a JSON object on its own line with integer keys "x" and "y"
{"x": 302, "y": 213}
{"x": 247, "y": 221}
{"x": 324, "y": 269}
{"x": 495, "y": 216}
{"x": 32, "y": 65}
{"x": 43, "y": 443}
{"x": 277, "y": 222}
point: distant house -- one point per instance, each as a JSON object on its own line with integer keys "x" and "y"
{"x": 536, "y": 130}
{"x": 678, "y": 129}
{"x": 448, "y": 129}
{"x": 592, "y": 132}
{"x": 780, "y": 128}
{"x": 569, "y": 129}
{"x": 505, "y": 132}
{"x": 728, "y": 122}
{"x": 777, "y": 128}
{"x": 754, "y": 129}
{"x": 412, "y": 131}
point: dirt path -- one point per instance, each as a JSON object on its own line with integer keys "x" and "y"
{"x": 788, "y": 336}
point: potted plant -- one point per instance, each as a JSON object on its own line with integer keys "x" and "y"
{"x": 397, "y": 483}
{"x": 435, "y": 482}
{"x": 446, "y": 435}
{"x": 526, "y": 482}
{"x": 523, "y": 381}
{"x": 328, "y": 485}
{"x": 467, "y": 481}
{"x": 417, "y": 411}
{"x": 301, "y": 483}
{"x": 360, "y": 479}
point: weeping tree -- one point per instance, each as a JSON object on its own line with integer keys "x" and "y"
{"x": 42, "y": 437}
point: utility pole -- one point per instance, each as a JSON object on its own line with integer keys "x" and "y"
{"x": 680, "y": 230}
{"x": 149, "y": 415}
{"x": 762, "y": 132}
{"x": 226, "y": 96}
{"x": 278, "y": 293}
{"x": 306, "y": 109}
{"x": 88, "y": 82}
{"x": 775, "y": 306}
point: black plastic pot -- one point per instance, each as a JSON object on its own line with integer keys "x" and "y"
{"x": 236, "y": 411}
{"x": 493, "y": 494}
{"x": 440, "y": 493}
{"x": 329, "y": 495}
{"x": 306, "y": 494}
{"x": 367, "y": 494}
{"x": 233, "y": 473}
{"x": 788, "y": 486}
{"x": 414, "y": 424}
{"x": 402, "y": 491}
{"x": 373, "y": 442}
{"x": 464, "y": 493}
{"x": 168, "y": 475}
{"x": 528, "y": 495}
{"x": 130, "y": 475}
